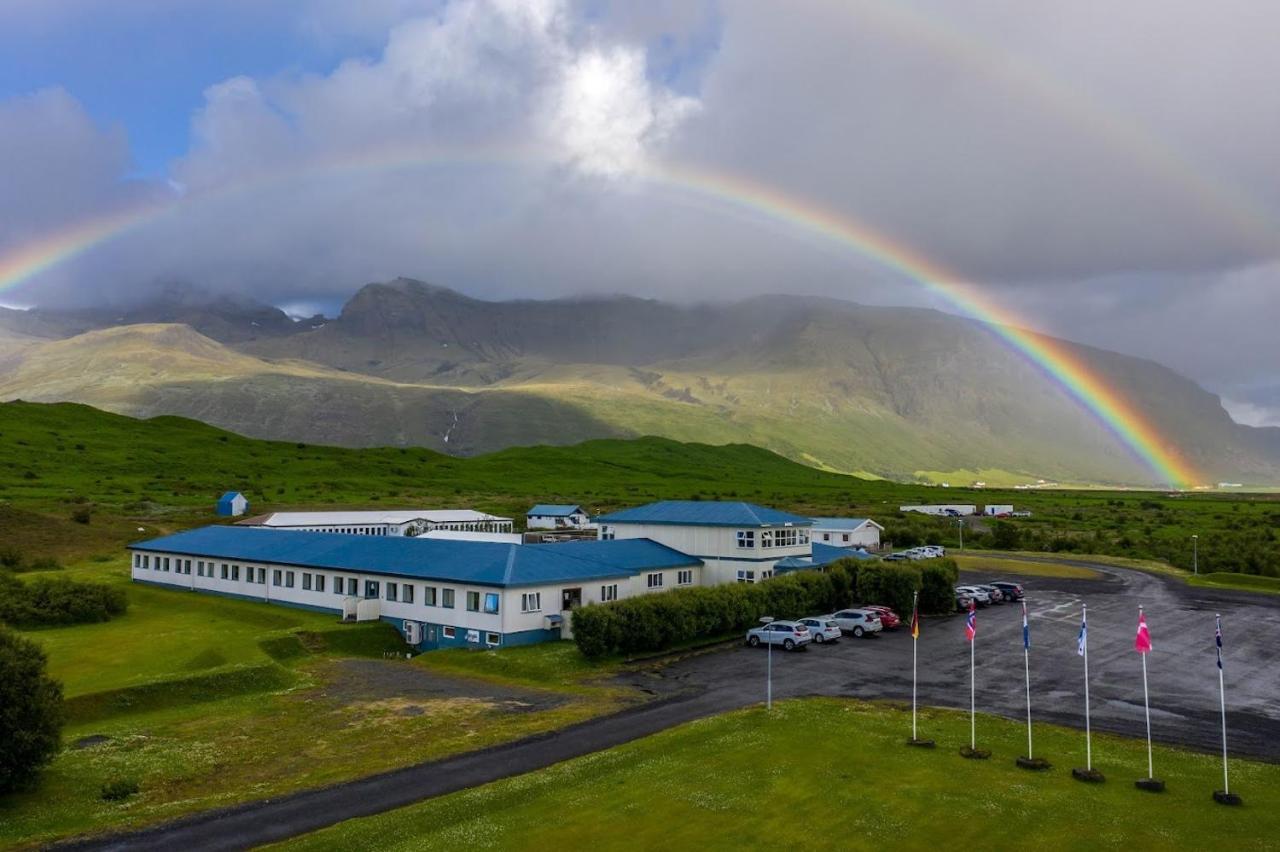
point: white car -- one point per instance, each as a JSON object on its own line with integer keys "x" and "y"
{"x": 858, "y": 621}
{"x": 789, "y": 634}
{"x": 822, "y": 629}
{"x": 935, "y": 551}
{"x": 977, "y": 594}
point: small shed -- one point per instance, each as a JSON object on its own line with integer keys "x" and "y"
{"x": 232, "y": 505}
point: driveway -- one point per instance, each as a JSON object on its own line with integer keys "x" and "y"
{"x": 1181, "y": 670}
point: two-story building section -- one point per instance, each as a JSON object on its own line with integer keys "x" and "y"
{"x": 737, "y": 542}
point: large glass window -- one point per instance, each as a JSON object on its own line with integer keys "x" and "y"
{"x": 609, "y": 592}
{"x": 428, "y": 595}
{"x": 491, "y": 602}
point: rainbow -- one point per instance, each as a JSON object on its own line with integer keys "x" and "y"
{"x": 1055, "y": 359}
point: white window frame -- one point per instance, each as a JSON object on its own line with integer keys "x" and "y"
{"x": 654, "y": 581}
{"x": 609, "y": 593}
{"x": 449, "y": 632}
{"x": 531, "y": 602}
{"x": 684, "y": 577}
{"x": 747, "y": 539}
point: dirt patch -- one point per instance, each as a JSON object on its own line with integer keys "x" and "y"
{"x": 91, "y": 741}
{"x": 411, "y": 690}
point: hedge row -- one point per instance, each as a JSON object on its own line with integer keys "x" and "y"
{"x": 657, "y": 622}
{"x": 49, "y": 602}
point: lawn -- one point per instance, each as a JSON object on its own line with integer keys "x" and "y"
{"x": 1001, "y": 564}
{"x": 831, "y": 773}
{"x": 1243, "y": 582}
{"x": 207, "y": 701}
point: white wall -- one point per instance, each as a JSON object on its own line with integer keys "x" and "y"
{"x": 717, "y": 546}
{"x": 867, "y": 535}
{"x": 576, "y": 521}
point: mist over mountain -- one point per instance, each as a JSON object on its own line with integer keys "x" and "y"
{"x": 894, "y": 392}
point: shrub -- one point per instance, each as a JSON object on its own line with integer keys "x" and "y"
{"x": 938, "y": 579}
{"x": 118, "y": 789}
{"x": 82, "y": 516}
{"x": 657, "y": 622}
{"x": 47, "y": 601}
{"x": 890, "y": 584}
{"x": 31, "y": 721}
{"x": 1006, "y": 536}
{"x": 11, "y": 558}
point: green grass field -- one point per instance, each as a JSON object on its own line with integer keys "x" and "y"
{"x": 208, "y": 701}
{"x": 835, "y": 774}
{"x": 1022, "y": 567}
{"x": 1242, "y": 582}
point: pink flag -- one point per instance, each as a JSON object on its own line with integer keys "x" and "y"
{"x": 1142, "y": 642}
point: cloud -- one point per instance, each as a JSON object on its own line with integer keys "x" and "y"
{"x": 1084, "y": 177}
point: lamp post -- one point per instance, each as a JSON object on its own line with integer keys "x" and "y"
{"x": 768, "y": 688}
{"x": 1195, "y": 554}
{"x": 960, "y": 525}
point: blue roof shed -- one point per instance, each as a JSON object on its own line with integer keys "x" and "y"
{"x": 232, "y": 503}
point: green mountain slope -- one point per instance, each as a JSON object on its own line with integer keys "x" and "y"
{"x": 890, "y": 392}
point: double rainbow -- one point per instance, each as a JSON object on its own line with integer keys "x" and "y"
{"x": 1054, "y": 358}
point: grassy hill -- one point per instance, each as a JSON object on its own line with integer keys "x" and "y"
{"x": 136, "y": 478}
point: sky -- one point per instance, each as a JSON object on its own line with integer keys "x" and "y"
{"x": 1105, "y": 171}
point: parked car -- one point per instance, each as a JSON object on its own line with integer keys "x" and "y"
{"x": 976, "y": 593}
{"x": 962, "y": 602}
{"x": 993, "y": 592}
{"x": 858, "y": 621}
{"x": 789, "y": 634}
{"x": 935, "y": 551}
{"x": 822, "y": 629}
{"x": 896, "y": 557}
{"x": 917, "y": 553}
{"x": 888, "y": 618}
{"x": 1011, "y": 591}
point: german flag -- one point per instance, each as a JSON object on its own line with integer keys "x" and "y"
{"x": 915, "y": 621}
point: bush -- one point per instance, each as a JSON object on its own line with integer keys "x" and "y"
{"x": 47, "y": 601}
{"x": 658, "y": 622}
{"x": 891, "y": 584}
{"x": 118, "y": 789}
{"x": 938, "y": 578}
{"x": 1006, "y": 536}
{"x": 31, "y": 721}
{"x": 81, "y": 516}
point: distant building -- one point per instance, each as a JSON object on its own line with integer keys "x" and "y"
{"x": 847, "y": 532}
{"x": 943, "y": 509}
{"x": 549, "y": 516}
{"x": 437, "y": 593}
{"x": 995, "y": 509}
{"x": 738, "y": 542}
{"x": 401, "y": 522}
{"x": 232, "y": 505}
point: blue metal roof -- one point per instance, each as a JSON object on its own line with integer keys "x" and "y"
{"x": 228, "y": 496}
{"x": 705, "y": 513}
{"x": 825, "y": 554}
{"x": 849, "y": 524}
{"x": 476, "y": 562}
{"x": 552, "y": 510}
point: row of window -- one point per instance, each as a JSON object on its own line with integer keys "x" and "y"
{"x": 750, "y": 576}
{"x": 781, "y": 537}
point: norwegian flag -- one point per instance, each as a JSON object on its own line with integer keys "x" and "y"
{"x": 1217, "y": 638}
{"x": 971, "y": 623}
{"x": 1142, "y": 642}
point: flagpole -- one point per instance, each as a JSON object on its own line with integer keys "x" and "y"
{"x": 1222, "y": 698}
{"x": 1088, "y": 737}
{"x": 915, "y": 602}
{"x": 1026, "y": 660}
{"x": 973, "y": 719}
{"x": 1146, "y": 703}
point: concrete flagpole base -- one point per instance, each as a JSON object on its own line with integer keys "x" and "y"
{"x": 1034, "y": 763}
{"x": 921, "y": 743}
{"x": 975, "y": 753}
{"x": 1151, "y": 785}
{"x": 1227, "y": 798}
{"x": 1089, "y": 776}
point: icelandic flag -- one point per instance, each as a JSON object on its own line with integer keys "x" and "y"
{"x": 1026, "y": 629}
{"x": 1083, "y": 639}
{"x": 1142, "y": 642}
{"x": 971, "y": 623}
{"x": 1218, "y": 639}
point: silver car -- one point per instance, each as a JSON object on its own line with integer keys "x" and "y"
{"x": 822, "y": 629}
{"x": 858, "y": 621}
{"x": 975, "y": 593}
{"x": 789, "y": 634}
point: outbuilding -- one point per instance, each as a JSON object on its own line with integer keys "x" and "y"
{"x": 232, "y": 504}
{"x": 395, "y": 522}
{"x": 847, "y": 532}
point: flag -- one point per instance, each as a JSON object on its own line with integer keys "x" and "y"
{"x": 1083, "y": 638}
{"x": 1142, "y": 642}
{"x": 915, "y": 621}
{"x": 1026, "y": 629}
{"x": 971, "y": 623}
{"x": 1217, "y": 638}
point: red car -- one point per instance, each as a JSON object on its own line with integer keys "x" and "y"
{"x": 888, "y": 617}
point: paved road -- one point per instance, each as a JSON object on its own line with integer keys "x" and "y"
{"x": 1181, "y": 670}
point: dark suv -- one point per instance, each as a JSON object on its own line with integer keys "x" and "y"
{"x": 1010, "y": 591}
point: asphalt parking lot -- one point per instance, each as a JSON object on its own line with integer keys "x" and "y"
{"x": 1182, "y": 673}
